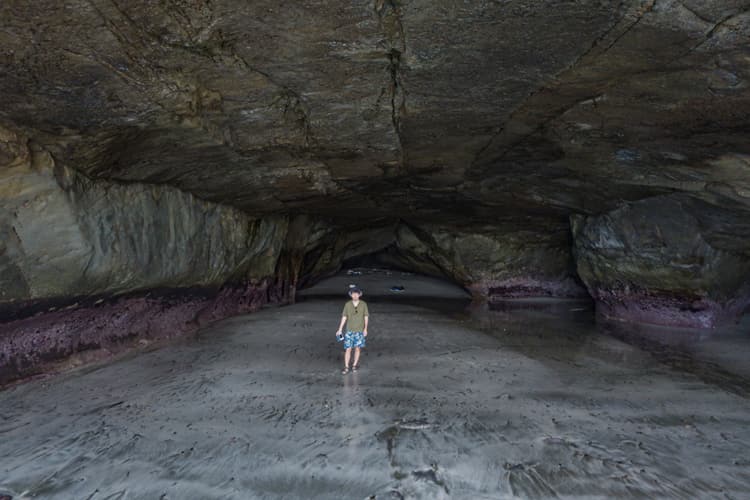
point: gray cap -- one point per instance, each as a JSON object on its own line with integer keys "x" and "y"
{"x": 354, "y": 288}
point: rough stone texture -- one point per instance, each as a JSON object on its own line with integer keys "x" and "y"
{"x": 491, "y": 262}
{"x": 197, "y": 143}
{"x": 401, "y": 108}
{"x": 105, "y": 327}
{"x": 64, "y": 235}
{"x": 71, "y": 248}
{"x": 321, "y": 246}
{"x": 673, "y": 259}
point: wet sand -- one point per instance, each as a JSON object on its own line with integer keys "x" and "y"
{"x": 532, "y": 399}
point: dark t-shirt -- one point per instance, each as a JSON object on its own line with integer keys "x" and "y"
{"x": 355, "y": 316}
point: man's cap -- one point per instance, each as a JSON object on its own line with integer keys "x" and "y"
{"x": 354, "y": 288}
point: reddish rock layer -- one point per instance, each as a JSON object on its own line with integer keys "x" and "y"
{"x": 36, "y": 344}
{"x": 642, "y": 307}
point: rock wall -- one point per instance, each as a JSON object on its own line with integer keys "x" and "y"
{"x": 491, "y": 262}
{"x": 674, "y": 260}
{"x": 65, "y": 235}
{"x": 96, "y": 265}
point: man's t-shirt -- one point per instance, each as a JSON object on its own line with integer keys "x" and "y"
{"x": 355, "y": 316}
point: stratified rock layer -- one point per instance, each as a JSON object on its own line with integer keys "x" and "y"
{"x": 64, "y": 235}
{"x": 97, "y": 328}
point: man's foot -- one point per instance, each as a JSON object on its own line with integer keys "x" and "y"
{"x": 344, "y": 371}
{"x": 355, "y": 368}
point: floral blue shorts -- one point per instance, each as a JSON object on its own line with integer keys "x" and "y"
{"x": 354, "y": 339}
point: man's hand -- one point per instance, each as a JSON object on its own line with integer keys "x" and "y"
{"x": 364, "y": 332}
{"x": 338, "y": 332}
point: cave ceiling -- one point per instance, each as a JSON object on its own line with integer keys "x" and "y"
{"x": 502, "y": 112}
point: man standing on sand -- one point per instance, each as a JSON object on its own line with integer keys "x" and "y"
{"x": 356, "y": 316}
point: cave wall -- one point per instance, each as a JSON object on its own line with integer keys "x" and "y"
{"x": 209, "y": 157}
{"x": 95, "y": 266}
{"x": 65, "y": 235}
{"x": 674, "y": 260}
{"x": 491, "y": 262}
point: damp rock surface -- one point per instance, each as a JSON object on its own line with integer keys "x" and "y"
{"x": 526, "y": 399}
{"x": 667, "y": 260}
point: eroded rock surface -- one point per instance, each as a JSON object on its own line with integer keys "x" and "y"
{"x": 489, "y": 261}
{"x": 400, "y": 108}
{"x": 674, "y": 260}
{"x": 65, "y": 235}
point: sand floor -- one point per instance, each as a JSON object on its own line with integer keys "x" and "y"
{"x": 528, "y": 399}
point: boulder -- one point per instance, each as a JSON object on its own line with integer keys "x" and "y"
{"x": 676, "y": 260}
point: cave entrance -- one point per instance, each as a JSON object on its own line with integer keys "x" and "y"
{"x": 385, "y": 278}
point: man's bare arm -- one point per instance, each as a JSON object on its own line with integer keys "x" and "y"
{"x": 341, "y": 325}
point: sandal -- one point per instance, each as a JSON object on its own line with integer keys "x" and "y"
{"x": 355, "y": 368}
{"x": 344, "y": 371}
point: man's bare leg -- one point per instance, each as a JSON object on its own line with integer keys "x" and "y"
{"x": 356, "y": 357}
{"x": 347, "y": 356}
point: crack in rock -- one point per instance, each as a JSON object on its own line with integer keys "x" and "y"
{"x": 398, "y": 98}
{"x": 389, "y": 17}
{"x": 717, "y": 26}
{"x": 640, "y": 13}
{"x": 295, "y": 105}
